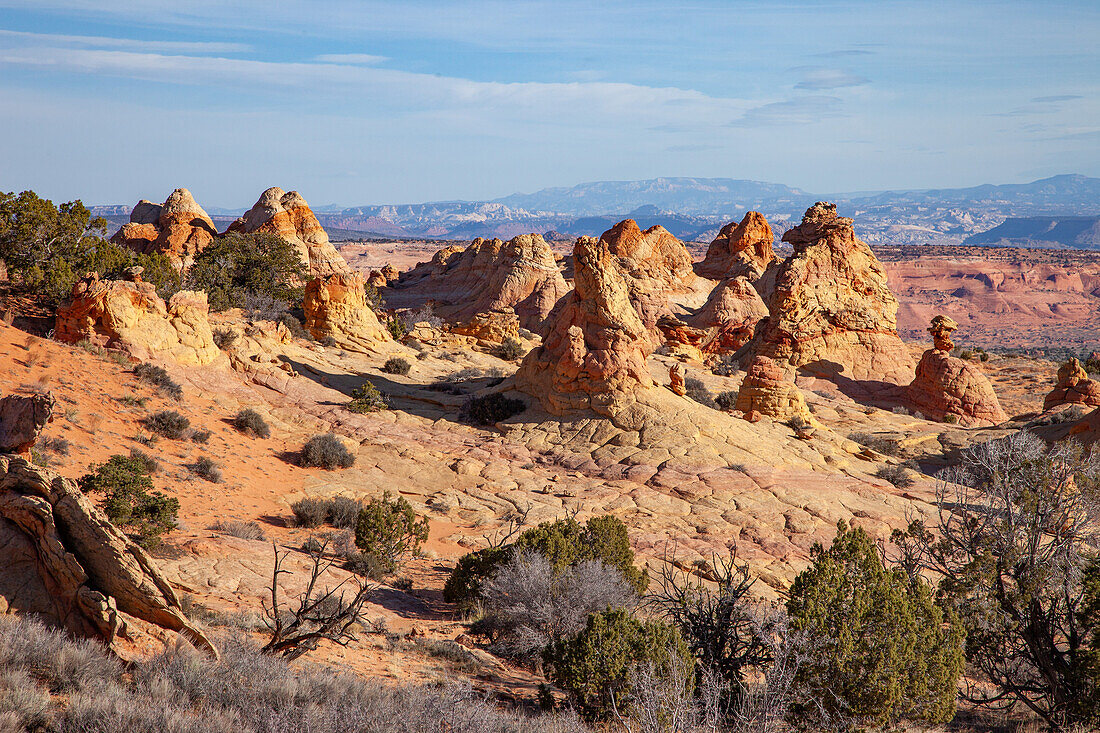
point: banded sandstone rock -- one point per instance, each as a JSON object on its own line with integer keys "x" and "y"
{"x": 594, "y": 353}
{"x": 832, "y": 312}
{"x": 766, "y": 390}
{"x": 656, "y": 265}
{"x": 1074, "y": 387}
{"x": 336, "y": 307}
{"x": 741, "y": 249}
{"x": 288, "y": 215}
{"x": 178, "y": 229}
{"x": 131, "y": 316}
{"x": 725, "y": 323}
{"x": 948, "y": 386}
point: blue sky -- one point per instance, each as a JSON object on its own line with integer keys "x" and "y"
{"x": 358, "y": 102}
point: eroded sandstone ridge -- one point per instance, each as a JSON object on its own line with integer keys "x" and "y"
{"x": 489, "y": 275}
{"x": 594, "y": 352}
{"x": 832, "y": 312}
{"x": 741, "y": 249}
{"x": 1074, "y": 387}
{"x": 288, "y": 215}
{"x": 949, "y": 388}
{"x": 131, "y": 316}
{"x": 336, "y": 308}
{"x": 179, "y": 228}
{"x": 22, "y": 418}
{"x": 66, "y": 563}
{"x": 767, "y": 391}
{"x": 656, "y": 265}
{"x": 725, "y": 323}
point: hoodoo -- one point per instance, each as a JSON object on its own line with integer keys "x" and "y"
{"x": 1074, "y": 387}
{"x": 336, "y": 308}
{"x": 741, "y": 249}
{"x": 178, "y": 229}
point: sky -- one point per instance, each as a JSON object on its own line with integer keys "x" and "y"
{"x": 369, "y": 102}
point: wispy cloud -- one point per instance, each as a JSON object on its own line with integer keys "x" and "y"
{"x": 1057, "y": 98}
{"x": 846, "y": 53}
{"x": 358, "y": 59}
{"x": 796, "y": 111}
{"x": 129, "y": 44}
{"x": 821, "y": 78}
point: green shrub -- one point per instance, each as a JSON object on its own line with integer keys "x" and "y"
{"x": 896, "y": 475}
{"x": 595, "y": 666}
{"x": 879, "y": 647}
{"x": 367, "y": 398}
{"x": 237, "y": 269}
{"x": 167, "y": 424}
{"x": 205, "y": 468}
{"x": 149, "y": 464}
{"x": 698, "y": 391}
{"x": 397, "y": 365}
{"x": 224, "y": 338}
{"x": 250, "y": 422}
{"x": 509, "y": 349}
{"x": 310, "y": 512}
{"x": 159, "y": 378}
{"x": 388, "y": 529}
{"x": 490, "y": 409}
{"x": 396, "y": 327}
{"x": 129, "y": 501}
{"x": 726, "y": 401}
{"x": 326, "y": 451}
{"x": 472, "y": 569}
{"x": 297, "y": 330}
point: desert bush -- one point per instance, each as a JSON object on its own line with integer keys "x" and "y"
{"x": 726, "y": 401}
{"x": 877, "y": 443}
{"x": 201, "y": 436}
{"x": 470, "y": 572}
{"x": 726, "y": 366}
{"x": 206, "y": 469}
{"x": 243, "y": 530}
{"x": 509, "y": 349}
{"x": 294, "y": 326}
{"x": 797, "y": 422}
{"x": 129, "y": 501}
{"x": 310, "y": 512}
{"x": 343, "y": 513}
{"x": 396, "y": 365}
{"x": 167, "y": 424}
{"x": 238, "y": 269}
{"x": 159, "y": 378}
{"x": 147, "y": 463}
{"x": 881, "y": 649}
{"x": 490, "y": 409}
{"x": 62, "y": 663}
{"x": 225, "y": 338}
{"x": 326, "y": 451}
{"x": 250, "y": 422}
{"x": 424, "y": 314}
{"x": 367, "y": 398}
{"x": 527, "y": 604}
{"x": 396, "y": 327}
{"x": 698, "y": 391}
{"x": 951, "y": 419}
{"x": 594, "y": 666}
{"x": 896, "y": 475}
{"x": 388, "y": 529}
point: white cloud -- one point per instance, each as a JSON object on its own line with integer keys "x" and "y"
{"x": 132, "y": 44}
{"x": 358, "y": 59}
{"x": 820, "y": 78}
{"x": 796, "y": 111}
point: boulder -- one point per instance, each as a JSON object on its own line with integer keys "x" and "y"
{"x": 1074, "y": 387}
{"x": 336, "y": 308}
{"x": 179, "y": 228}
{"x": 948, "y": 386}
{"x": 593, "y": 355}
{"x": 489, "y": 275}
{"x": 725, "y": 323}
{"x": 831, "y": 311}
{"x": 131, "y": 316}
{"x": 67, "y": 564}
{"x": 22, "y": 419}
{"x": 656, "y": 265}
{"x": 288, "y": 215}
{"x": 741, "y": 249}
{"x": 493, "y": 327}
{"x": 766, "y": 390}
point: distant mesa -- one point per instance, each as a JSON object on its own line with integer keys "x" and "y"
{"x": 831, "y": 310}
{"x": 288, "y": 215}
{"x": 1078, "y": 232}
{"x": 593, "y": 354}
{"x": 741, "y": 249}
{"x": 179, "y": 228}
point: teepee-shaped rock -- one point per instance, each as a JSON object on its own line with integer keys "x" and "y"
{"x": 766, "y": 391}
{"x": 179, "y": 228}
{"x": 741, "y": 249}
{"x": 948, "y": 386}
{"x": 832, "y": 312}
{"x": 656, "y": 265}
{"x": 725, "y": 323}
{"x": 1073, "y": 388}
{"x": 594, "y": 353}
{"x": 288, "y": 215}
{"x": 336, "y": 308}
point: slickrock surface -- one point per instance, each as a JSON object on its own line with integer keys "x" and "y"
{"x": 594, "y": 352}
{"x": 179, "y": 228}
{"x": 489, "y": 275}
{"x": 22, "y": 419}
{"x": 288, "y": 215}
{"x": 946, "y": 385}
{"x": 832, "y": 312}
{"x": 1073, "y": 387}
{"x": 741, "y": 249}
{"x": 131, "y": 316}
{"x": 767, "y": 391}
{"x": 725, "y": 323}
{"x": 64, "y": 561}
{"x": 336, "y": 308}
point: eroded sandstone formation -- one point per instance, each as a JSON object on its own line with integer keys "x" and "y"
{"x": 948, "y": 388}
{"x": 1074, "y": 387}
{"x": 832, "y": 312}
{"x": 64, "y": 562}
{"x": 131, "y": 316}
{"x": 179, "y": 228}
{"x": 655, "y": 264}
{"x": 493, "y": 327}
{"x": 725, "y": 323}
{"x": 594, "y": 352}
{"x": 741, "y": 249}
{"x": 336, "y": 308}
{"x": 766, "y": 390}
{"x": 288, "y": 215}
{"x": 489, "y": 275}
{"x": 22, "y": 419}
